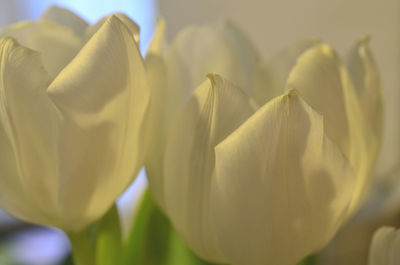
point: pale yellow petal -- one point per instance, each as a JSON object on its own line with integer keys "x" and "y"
{"x": 365, "y": 74}
{"x": 57, "y": 44}
{"x": 246, "y": 51}
{"x": 158, "y": 41}
{"x": 199, "y": 50}
{"x": 385, "y": 247}
{"x": 271, "y": 75}
{"x": 325, "y": 84}
{"x": 282, "y": 186}
{"x": 317, "y": 75}
{"x": 67, "y": 18}
{"x": 28, "y": 137}
{"x": 158, "y": 114}
{"x": 131, "y": 25}
{"x": 215, "y": 110}
{"x": 157, "y": 119}
{"x": 103, "y": 98}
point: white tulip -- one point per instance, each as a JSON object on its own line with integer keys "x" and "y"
{"x": 270, "y": 185}
{"x": 72, "y": 113}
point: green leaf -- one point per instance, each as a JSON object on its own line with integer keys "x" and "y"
{"x": 108, "y": 239}
{"x": 153, "y": 241}
{"x": 147, "y": 243}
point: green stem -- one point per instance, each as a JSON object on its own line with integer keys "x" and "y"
{"x": 82, "y": 249}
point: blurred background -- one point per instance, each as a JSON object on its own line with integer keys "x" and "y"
{"x": 271, "y": 25}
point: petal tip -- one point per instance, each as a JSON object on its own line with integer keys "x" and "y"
{"x": 158, "y": 40}
{"x": 9, "y": 44}
{"x": 291, "y": 92}
{"x": 214, "y": 78}
{"x": 365, "y": 39}
{"x": 8, "y": 40}
{"x": 363, "y": 43}
{"x": 290, "y": 96}
{"x": 326, "y": 49}
{"x": 113, "y": 18}
{"x": 54, "y": 9}
{"x": 161, "y": 24}
{"x": 116, "y": 18}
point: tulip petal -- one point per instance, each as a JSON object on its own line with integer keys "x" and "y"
{"x": 158, "y": 41}
{"x": 385, "y": 247}
{"x": 247, "y": 52}
{"x": 57, "y": 44}
{"x": 212, "y": 113}
{"x": 323, "y": 80}
{"x": 103, "y": 98}
{"x": 318, "y": 77}
{"x": 66, "y": 18}
{"x": 28, "y": 136}
{"x": 282, "y": 186}
{"x": 132, "y": 26}
{"x": 272, "y": 74}
{"x": 198, "y": 50}
{"x": 158, "y": 115}
{"x": 365, "y": 74}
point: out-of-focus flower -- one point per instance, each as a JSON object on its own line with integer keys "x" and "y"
{"x": 268, "y": 185}
{"x": 385, "y": 247}
{"x": 73, "y": 99}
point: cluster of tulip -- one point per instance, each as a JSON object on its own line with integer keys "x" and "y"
{"x": 253, "y": 161}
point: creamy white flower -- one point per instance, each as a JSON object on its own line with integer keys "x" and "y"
{"x": 260, "y": 185}
{"x": 71, "y": 118}
{"x": 385, "y": 247}
{"x": 269, "y": 185}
